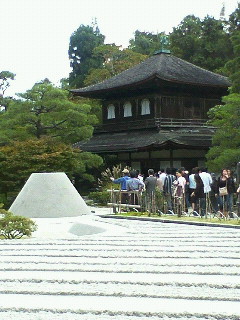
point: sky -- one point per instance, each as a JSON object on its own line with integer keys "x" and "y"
{"x": 34, "y": 34}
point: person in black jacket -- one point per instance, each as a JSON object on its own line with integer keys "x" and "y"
{"x": 168, "y": 190}
{"x": 231, "y": 190}
{"x": 214, "y": 194}
{"x": 150, "y": 185}
{"x": 223, "y": 182}
{"x": 199, "y": 195}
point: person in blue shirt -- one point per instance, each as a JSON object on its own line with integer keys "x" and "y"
{"x": 134, "y": 184}
{"x": 123, "y": 184}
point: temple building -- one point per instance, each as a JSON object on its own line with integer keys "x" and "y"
{"x": 155, "y": 113}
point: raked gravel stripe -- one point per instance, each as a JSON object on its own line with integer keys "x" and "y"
{"x": 134, "y": 271}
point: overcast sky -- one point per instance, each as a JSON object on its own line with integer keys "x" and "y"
{"x": 35, "y": 33}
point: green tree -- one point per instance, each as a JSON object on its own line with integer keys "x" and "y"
{"x": 145, "y": 43}
{"x": 96, "y": 75}
{"x": 185, "y": 38}
{"x": 226, "y": 118}
{"x": 46, "y": 110}
{"x": 216, "y": 47}
{"x": 5, "y": 79}
{"x": 225, "y": 151}
{"x": 233, "y": 66}
{"x": 19, "y": 159}
{"x": 234, "y": 20}
{"x": 114, "y": 60}
{"x": 205, "y": 43}
{"x": 15, "y": 227}
{"x": 82, "y": 43}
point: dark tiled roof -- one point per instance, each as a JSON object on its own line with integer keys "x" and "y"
{"x": 163, "y": 66}
{"x": 140, "y": 139}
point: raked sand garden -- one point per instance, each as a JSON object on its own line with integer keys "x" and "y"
{"x": 89, "y": 267}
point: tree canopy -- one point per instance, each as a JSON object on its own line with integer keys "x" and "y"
{"x": 225, "y": 151}
{"x": 5, "y": 79}
{"x": 145, "y": 43}
{"x": 205, "y": 43}
{"x": 46, "y": 110}
{"x": 114, "y": 60}
{"x": 21, "y": 158}
{"x": 82, "y": 43}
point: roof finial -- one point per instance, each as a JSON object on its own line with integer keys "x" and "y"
{"x": 222, "y": 13}
{"x": 164, "y": 45}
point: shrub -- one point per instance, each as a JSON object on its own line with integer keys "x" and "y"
{"x": 101, "y": 197}
{"x": 15, "y": 227}
{"x": 115, "y": 172}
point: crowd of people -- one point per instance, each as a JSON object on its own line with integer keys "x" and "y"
{"x": 198, "y": 192}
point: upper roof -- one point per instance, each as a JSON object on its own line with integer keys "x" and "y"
{"x": 161, "y": 66}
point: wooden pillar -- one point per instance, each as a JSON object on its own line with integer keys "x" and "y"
{"x": 171, "y": 158}
{"x": 119, "y": 109}
{"x": 137, "y": 108}
{"x": 155, "y": 108}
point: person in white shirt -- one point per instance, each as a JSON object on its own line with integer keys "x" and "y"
{"x": 162, "y": 175}
{"x": 206, "y": 178}
{"x": 192, "y": 187}
{"x": 207, "y": 181}
{"x": 180, "y": 193}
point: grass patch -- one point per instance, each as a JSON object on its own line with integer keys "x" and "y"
{"x": 183, "y": 218}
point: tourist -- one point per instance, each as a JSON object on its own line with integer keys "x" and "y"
{"x": 185, "y": 175}
{"x": 198, "y": 193}
{"x": 223, "y": 192}
{"x": 231, "y": 190}
{"x": 207, "y": 182}
{"x": 162, "y": 175}
{"x": 150, "y": 185}
{"x": 192, "y": 187}
{"x": 150, "y": 182}
{"x": 206, "y": 178}
{"x": 139, "y": 175}
{"x": 179, "y": 193}
{"x": 135, "y": 185}
{"x": 214, "y": 194}
{"x": 168, "y": 190}
{"x": 123, "y": 185}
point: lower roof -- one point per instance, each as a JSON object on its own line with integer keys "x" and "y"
{"x": 132, "y": 141}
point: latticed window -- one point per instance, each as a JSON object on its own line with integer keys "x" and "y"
{"x": 145, "y": 107}
{"x": 127, "y": 109}
{"x": 111, "y": 111}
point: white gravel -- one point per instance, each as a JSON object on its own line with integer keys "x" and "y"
{"x": 88, "y": 267}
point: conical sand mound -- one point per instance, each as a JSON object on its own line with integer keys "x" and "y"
{"x": 49, "y": 195}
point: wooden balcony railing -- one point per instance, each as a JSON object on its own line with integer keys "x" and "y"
{"x": 160, "y": 123}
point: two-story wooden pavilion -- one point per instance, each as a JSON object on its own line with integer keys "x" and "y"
{"x": 155, "y": 113}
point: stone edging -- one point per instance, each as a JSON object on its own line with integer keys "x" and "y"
{"x": 205, "y": 224}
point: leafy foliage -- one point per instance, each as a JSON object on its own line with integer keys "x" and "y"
{"x": 113, "y": 60}
{"x": 233, "y": 66}
{"x": 202, "y": 42}
{"x": 115, "y": 172}
{"x": 100, "y": 197}
{"x": 46, "y": 110}
{"x": 226, "y": 141}
{"x": 226, "y": 118}
{"x": 5, "y": 79}
{"x": 234, "y": 21}
{"x": 15, "y": 227}
{"x": 21, "y": 158}
{"x": 145, "y": 43}
{"x": 82, "y": 43}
